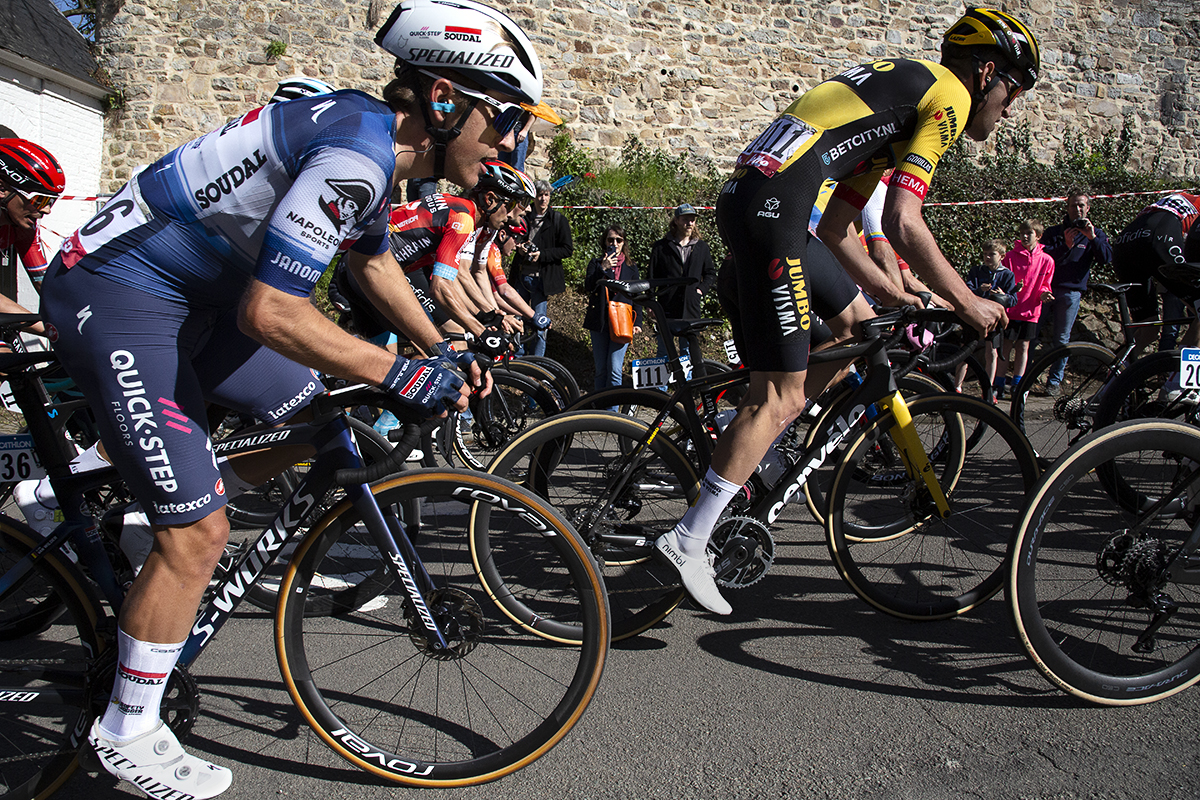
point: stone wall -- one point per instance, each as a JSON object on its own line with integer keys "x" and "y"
{"x": 695, "y": 75}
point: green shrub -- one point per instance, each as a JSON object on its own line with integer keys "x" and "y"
{"x": 650, "y": 177}
{"x": 642, "y": 177}
{"x": 1012, "y": 172}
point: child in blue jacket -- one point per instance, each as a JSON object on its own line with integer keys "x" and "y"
{"x": 993, "y": 281}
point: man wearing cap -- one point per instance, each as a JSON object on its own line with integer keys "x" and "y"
{"x": 683, "y": 254}
{"x": 31, "y": 180}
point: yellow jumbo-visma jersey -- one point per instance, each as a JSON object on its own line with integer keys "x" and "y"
{"x": 899, "y": 113}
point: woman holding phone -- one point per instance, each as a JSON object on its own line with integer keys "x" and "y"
{"x": 614, "y": 263}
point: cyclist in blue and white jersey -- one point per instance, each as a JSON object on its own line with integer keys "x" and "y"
{"x": 193, "y": 284}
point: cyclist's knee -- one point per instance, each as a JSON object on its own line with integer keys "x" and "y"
{"x": 778, "y": 394}
{"x": 196, "y": 546}
{"x": 846, "y": 326}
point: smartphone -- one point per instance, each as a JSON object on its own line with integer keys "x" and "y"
{"x": 612, "y": 250}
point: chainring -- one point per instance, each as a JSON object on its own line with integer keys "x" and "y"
{"x": 749, "y": 544}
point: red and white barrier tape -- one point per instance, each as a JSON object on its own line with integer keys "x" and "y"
{"x": 927, "y": 205}
{"x": 711, "y": 208}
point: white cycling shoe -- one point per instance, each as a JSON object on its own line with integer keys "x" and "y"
{"x": 696, "y": 573}
{"x": 157, "y": 764}
{"x": 40, "y": 516}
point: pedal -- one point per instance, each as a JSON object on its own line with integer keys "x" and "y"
{"x": 89, "y": 762}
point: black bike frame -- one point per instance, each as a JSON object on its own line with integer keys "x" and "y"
{"x": 879, "y": 384}
{"x": 333, "y": 439}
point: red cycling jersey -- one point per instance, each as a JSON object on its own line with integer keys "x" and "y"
{"x": 427, "y": 234}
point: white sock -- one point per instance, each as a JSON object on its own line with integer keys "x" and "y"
{"x": 86, "y": 461}
{"x": 143, "y": 670}
{"x": 695, "y": 529}
{"x": 137, "y": 537}
{"x": 234, "y": 485}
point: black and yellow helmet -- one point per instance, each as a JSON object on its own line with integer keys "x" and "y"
{"x": 987, "y": 27}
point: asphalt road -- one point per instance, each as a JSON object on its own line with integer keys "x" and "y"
{"x": 804, "y": 692}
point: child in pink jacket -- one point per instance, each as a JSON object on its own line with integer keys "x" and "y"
{"x": 1033, "y": 268}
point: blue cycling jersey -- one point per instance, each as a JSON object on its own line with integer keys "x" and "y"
{"x": 273, "y": 194}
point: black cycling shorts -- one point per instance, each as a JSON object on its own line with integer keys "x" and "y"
{"x": 780, "y": 278}
{"x": 1021, "y": 330}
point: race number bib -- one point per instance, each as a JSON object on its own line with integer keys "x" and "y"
{"x": 774, "y": 146}
{"x": 1189, "y": 368}
{"x": 653, "y": 373}
{"x": 124, "y": 212}
{"x": 18, "y": 461}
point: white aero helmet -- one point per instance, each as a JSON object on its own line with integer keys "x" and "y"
{"x": 299, "y": 86}
{"x": 474, "y": 40}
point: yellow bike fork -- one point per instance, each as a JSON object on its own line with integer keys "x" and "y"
{"x": 916, "y": 460}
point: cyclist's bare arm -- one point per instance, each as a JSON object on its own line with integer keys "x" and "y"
{"x": 450, "y": 296}
{"x": 881, "y": 252}
{"x": 10, "y": 306}
{"x": 291, "y": 325}
{"x": 836, "y": 231}
{"x": 479, "y": 293}
{"x": 914, "y": 242}
{"x": 510, "y": 300}
{"x": 382, "y": 281}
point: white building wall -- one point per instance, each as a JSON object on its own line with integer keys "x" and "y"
{"x": 71, "y": 126}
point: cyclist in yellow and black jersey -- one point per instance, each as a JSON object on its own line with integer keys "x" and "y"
{"x": 899, "y": 113}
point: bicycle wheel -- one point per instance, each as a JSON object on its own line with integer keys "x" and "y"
{"x": 537, "y": 371}
{"x": 1149, "y": 387}
{"x": 514, "y": 404}
{"x": 1054, "y": 423}
{"x": 264, "y": 592}
{"x": 574, "y": 462}
{"x": 567, "y": 385}
{"x": 40, "y": 735}
{"x": 832, "y": 416}
{"x": 37, "y": 604}
{"x": 886, "y": 536}
{"x": 1088, "y": 586}
{"x": 643, "y": 405}
{"x": 373, "y": 687}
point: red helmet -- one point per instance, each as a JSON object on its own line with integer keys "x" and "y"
{"x": 29, "y": 167}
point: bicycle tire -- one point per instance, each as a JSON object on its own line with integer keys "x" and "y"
{"x": 568, "y": 460}
{"x": 1073, "y": 587}
{"x": 515, "y": 403}
{"x": 887, "y": 540}
{"x": 643, "y": 405}
{"x": 546, "y": 377}
{"x": 566, "y": 381}
{"x": 816, "y": 487}
{"x": 37, "y": 608}
{"x": 264, "y": 593}
{"x": 365, "y": 680}
{"x": 41, "y": 740}
{"x": 1148, "y": 388}
{"x": 1053, "y": 424}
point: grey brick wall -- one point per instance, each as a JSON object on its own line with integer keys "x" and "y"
{"x": 699, "y": 75}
